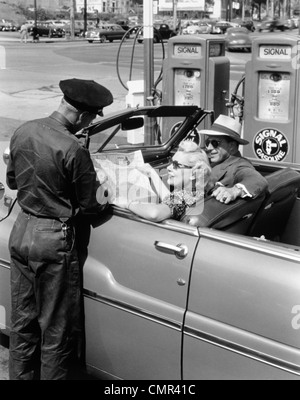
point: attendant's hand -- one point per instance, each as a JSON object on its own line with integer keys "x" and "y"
{"x": 226, "y": 195}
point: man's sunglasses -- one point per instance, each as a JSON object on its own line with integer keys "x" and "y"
{"x": 214, "y": 142}
{"x": 176, "y": 165}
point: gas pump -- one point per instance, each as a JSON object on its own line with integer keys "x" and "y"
{"x": 272, "y": 106}
{"x": 195, "y": 72}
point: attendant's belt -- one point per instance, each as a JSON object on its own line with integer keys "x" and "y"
{"x": 63, "y": 220}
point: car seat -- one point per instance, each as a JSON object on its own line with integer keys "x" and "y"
{"x": 274, "y": 213}
{"x": 234, "y": 217}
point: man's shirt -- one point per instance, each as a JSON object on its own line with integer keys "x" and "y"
{"x": 51, "y": 170}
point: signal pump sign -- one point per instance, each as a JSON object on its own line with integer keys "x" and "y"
{"x": 187, "y": 82}
{"x": 271, "y": 100}
{"x": 196, "y": 72}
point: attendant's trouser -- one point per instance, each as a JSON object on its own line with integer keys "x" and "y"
{"x": 45, "y": 296}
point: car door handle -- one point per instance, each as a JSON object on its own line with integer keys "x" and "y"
{"x": 181, "y": 250}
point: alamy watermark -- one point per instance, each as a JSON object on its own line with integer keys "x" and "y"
{"x": 124, "y": 188}
{"x": 296, "y": 318}
{"x": 2, "y": 318}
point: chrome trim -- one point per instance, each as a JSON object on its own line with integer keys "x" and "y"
{"x": 132, "y": 310}
{"x": 259, "y": 246}
{"x": 4, "y": 264}
{"x": 173, "y": 225}
{"x": 243, "y": 351}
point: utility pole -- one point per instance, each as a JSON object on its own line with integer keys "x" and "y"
{"x": 228, "y": 10}
{"x": 272, "y": 9}
{"x": 85, "y": 17}
{"x": 148, "y": 63}
{"x": 175, "y": 3}
{"x": 35, "y": 13}
{"x": 72, "y": 18}
{"x": 284, "y": 13}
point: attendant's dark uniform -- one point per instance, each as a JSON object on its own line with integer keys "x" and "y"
{"x": 55, "y": 179}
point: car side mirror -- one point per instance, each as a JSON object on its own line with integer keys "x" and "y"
{"x": 2, "y": 190}
{"x": 6, "y": 155}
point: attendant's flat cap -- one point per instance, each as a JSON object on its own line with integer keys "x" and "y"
{"x": 86, "y": 95}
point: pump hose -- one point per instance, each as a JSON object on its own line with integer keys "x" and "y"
{"x": 132, "y": 56}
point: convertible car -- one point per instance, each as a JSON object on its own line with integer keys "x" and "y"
{"x": 214, "y": 296}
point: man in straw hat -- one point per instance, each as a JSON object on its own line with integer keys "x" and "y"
{"x": 56, "y": 180}
{"x": 234, "y": 175}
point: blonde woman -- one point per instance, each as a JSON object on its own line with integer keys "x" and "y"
{"x": 188, "y": 181}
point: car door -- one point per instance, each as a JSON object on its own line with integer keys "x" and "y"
{"x": 243, "y": 311}
{"x": 135, "y": 288}
{"x": 118, "y": 32}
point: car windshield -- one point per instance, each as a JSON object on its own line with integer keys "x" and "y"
{"x": 131, "y": 130}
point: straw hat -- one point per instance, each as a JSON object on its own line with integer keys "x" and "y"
{"x": 225, "y": 126}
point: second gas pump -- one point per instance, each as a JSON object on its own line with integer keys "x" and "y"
{"x": 272, "y": 112}
{"x": 195, "y": 72}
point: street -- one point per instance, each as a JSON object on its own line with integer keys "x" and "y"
{"x": 31, "y": 72}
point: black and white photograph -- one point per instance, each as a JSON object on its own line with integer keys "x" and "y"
{"x": 150, "y": 192}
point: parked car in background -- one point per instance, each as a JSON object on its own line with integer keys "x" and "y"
{"x": 46, "y": 29}
{"x": 272, "y": 25}
{"x": 57, "y": 22}
{"x": 161, "y": 32}
{"x": 291, "y": 23}
{"x": 165, "y": 31}
{"x": 222, "y": 26}
{"x": 238, "y": 39}
{"x": 124, "y": 24}
{"x": 103, "y": 33}
{"x": 15, "y": 26}
{"x": 198, "y": 28}
{"x": 78, "y": 28}
{"x": 214, "y": 296}
{"x": 6, "y": 25}
{"x": 249, "y": 24}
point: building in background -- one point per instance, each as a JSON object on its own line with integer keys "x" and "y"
{"x": 50, "y": 5}
{"x": 182, "y": 5}
{"x": 105, "y": 6}
{"x": 215, "y": 9}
